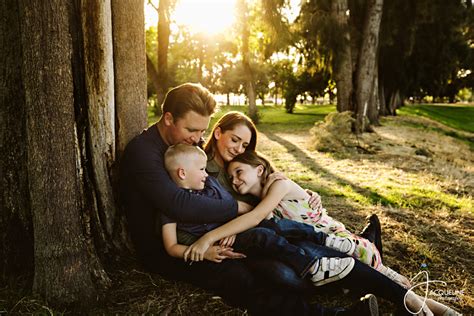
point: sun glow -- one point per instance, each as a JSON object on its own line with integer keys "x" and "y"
{"x": 206, "y": 16}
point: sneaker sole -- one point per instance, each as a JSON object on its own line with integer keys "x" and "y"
{"x": 339, "y": 276}
{"x": 373, "y": 306}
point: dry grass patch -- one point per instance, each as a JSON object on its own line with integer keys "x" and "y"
{"x": 415, "y": 176}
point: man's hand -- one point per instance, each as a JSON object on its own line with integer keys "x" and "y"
{"x": 230, "y": 254}
{"x": 314, "y": 200}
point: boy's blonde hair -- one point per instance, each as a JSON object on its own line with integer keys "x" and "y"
{"x": 177, "y": 154}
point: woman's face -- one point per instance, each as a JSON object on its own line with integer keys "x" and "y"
{"x": 232, "y": 142}
{"x": 246, "y": 178}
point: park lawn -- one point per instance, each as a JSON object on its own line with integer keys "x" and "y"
{"x": 424, "y": 202}
{"x": 457, "y": 116}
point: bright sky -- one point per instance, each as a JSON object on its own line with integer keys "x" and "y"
{"x": 207, "y": 16}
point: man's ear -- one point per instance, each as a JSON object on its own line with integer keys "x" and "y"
{"x": 168, "y": 118}
{"x": 217, "y": 133}
{"x": 181, "y": 173}
{"x": 260, "y": 170}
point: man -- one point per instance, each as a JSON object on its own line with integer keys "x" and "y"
{"x": 146, "y": 190}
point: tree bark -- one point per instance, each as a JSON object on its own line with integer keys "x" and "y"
{"x": 130, "y": 77}
{"x": 342, "y": 60}
{"x": 64, "y": 272}
{"x": 366, "y": 70}
{"x": 99, "y": 74}
{"x": 16, "y": 232}
{"x": 130, "y": 86}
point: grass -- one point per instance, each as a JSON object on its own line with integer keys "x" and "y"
{"x": 460, "y": 117}
{"x": 424, "y": 202}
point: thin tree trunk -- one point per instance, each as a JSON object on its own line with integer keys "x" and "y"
{"x": 152, "y": 74}
{"x": 343, "y": 58}
{"x": 130, "y": 79}
{"x": 249, "y": 84}
{"x": 163, "y": 44}
{"x": 366, "y": 69}
{"x": 16, "y": 233}
{"x": 63, "y": 269}
{"x": 99, "y": 74}
{"x": 130, "y": 85}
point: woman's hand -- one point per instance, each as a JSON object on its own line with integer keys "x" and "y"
{"x": 227, "y": 241}
{"x": 314, "y": 200}
{"x": 243, "y": 207}
{"x": 272, "y": 177}
{"x": 196, "y": 251}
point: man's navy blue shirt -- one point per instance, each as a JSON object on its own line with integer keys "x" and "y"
{"x": 146, "y": 191}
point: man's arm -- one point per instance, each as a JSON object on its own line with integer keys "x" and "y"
{"x": 159, "y": 189}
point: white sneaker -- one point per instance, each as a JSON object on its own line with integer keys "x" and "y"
{"x": 331, "y": 269}
{"x": 342, "y": 244}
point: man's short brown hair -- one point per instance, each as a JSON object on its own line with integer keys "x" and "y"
{"x": 189, "y": 97}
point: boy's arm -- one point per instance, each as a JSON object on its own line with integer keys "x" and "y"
{"x": 170, "y": 241}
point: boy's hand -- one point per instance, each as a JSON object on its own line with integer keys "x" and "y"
{"x": 215, "y": 254}
{"x": 227, "y": 241}
{"x": 314, "y": 200}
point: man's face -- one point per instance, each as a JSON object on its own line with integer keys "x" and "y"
{"x": 187, "y": 129}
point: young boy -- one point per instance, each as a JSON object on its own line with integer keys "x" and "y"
{"x": 186, "y": 165}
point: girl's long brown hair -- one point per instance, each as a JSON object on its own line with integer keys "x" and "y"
{"x": 255, "y": 159}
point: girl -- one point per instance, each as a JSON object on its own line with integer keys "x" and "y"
{"x": 249, "y": 172}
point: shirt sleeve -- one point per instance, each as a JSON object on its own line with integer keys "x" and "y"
{"x": 160, "y": 190}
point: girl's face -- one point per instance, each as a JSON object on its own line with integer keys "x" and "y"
{"x": 246, "y": 178}
{"x": 232, "y": 142}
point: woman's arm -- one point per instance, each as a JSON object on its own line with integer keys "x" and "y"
{"x": 275, "y": 194}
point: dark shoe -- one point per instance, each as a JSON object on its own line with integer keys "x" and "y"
{"x": 373, "y": 232}
{"x": 366, "y": 306}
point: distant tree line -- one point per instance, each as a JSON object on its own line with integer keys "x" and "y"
{"x": 370, "y": 54}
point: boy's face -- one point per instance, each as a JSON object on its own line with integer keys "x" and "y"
{"x": 196, "y": 172}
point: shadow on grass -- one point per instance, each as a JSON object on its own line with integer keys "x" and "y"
{"x": 373, "y": 197}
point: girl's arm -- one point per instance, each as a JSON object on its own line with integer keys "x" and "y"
{"x": 170, "y": 241}
{"x": 275, "y": 194}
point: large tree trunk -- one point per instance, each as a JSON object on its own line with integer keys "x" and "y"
{"x": 163, "y": 44}
{"x": 57, "y": 132}
{"x": 342, "y": 62}
{"x": 16, "y": 233}
{"x": 249, "y": 80}
{"x": 65, "y": 268}
{"x": 366, "y": 70}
